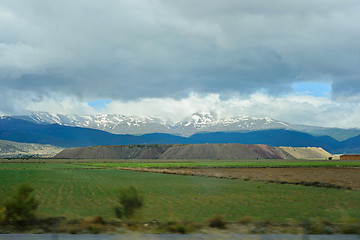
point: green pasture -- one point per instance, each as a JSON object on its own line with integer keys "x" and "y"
{"x": 74, "y": 192}
{"x": 224, "y": 163}
{"x": 42, "y": 165}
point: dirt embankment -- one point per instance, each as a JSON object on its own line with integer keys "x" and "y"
{"x": 211, "y": 151}
{"x": 306, "y": 152}
{"x": 268, "y": 152}
{"x": 115, "y": 152}
{"x": 193, "y": 151}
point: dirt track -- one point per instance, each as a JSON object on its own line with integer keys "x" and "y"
{"x": 345, "y": 177}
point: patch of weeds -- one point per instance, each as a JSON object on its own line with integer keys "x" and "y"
{"x": 328, "y": 230}
{"x": 37, "y": 231}
{"x": 217, "y": 222}
{"x": 245, "y": 220}
{"x": 132, "y": 226}
{"x": 74, "y": 230}
{"x": 93, "y": 220}
{"x": 20, "y": 209}
{"x": 257, "y": 230}
{"x": 316, "y": 227}
{"x": 99, "y": 220}
{"x": 350, "y": 228}
{"x": 176, "y": 228}
{"x": 95, "y": 229}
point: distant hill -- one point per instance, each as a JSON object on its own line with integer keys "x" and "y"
{"x": 273, "y": 137}
{"x": 10, "y": 149}
{"x": 351, "y": 145}
{"x": 18, "y": 130}
{"x": 192, "y": 151}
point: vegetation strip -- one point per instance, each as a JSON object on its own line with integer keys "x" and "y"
{"x": 303, "y": 183}
{"x": 240, "y": 163}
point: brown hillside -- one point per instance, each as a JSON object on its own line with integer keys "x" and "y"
{"x": 306, "y": 152}
{"x": 115, "y": 152}
{"x": 210, "y": 151}
{"x": 268, "y": 152}
{"x": 193, "y": 151}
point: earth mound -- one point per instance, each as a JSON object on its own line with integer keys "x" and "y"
{"x": 115, "y": 152}
{"x": 193, "y": 151}
{"x": 306, "y": 152}
{"x": 210, "y": 151}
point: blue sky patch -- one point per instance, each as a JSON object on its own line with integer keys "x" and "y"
{"x": 317, "y": 89}
{"x": 99, "y": 103}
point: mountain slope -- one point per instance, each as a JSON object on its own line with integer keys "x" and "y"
{"x": 196, "y": 123}
{"x": 18, "y": 130}
{"x": 23, "y": 131}
{"x": 113, "y": 123}
{"x": 120, "y": 124}
{"x": 277, "y": 137}
{"x": 351, "y": 145}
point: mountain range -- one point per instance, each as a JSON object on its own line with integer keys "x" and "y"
{"x": 196, "y": 123}
{"x": 36, "y": 128}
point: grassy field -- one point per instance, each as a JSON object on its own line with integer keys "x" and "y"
{"x": 42, "y": 166}
{"x": 225, "y": 163}
{"x": 75, "y": 191}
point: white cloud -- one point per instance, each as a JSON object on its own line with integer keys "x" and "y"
{"x": 296, "y": 109}
{"x": 129, "y": 50}
{"x": 173, "y": 58}
{"x": 299, "y": 109}
{"x": 64, "y": 105}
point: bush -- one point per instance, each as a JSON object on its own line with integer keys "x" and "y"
{"x": 217, "y": 222}
{"x": 21, "y": 207}
{"x": 129, "y": 200}
{"x": 177, "y": 228}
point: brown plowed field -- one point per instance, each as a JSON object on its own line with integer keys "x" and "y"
{"x": 345, "y": 177}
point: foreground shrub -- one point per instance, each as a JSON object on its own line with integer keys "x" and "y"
{"x": 129, "y": 200}
{"x": 350, "y": 228}
{"x": 177, "y": 228}
{"x": 20, "y": 208}
{"x": 217, "y": 222}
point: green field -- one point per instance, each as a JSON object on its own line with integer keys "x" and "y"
{"x": 226, "y": 163}
{"x": 48, "y": 166}
{"x": 75, "y": 192}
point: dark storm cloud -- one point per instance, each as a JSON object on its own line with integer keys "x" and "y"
{"x": 134, "y": 49}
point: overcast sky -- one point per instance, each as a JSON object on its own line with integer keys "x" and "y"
{"x": 295, "y": 61}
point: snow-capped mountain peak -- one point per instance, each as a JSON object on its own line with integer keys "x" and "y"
{"x": 121, "y": 124}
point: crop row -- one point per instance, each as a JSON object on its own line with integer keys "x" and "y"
{"x": 239, "y": 163}
{"x": 77, "y": 193}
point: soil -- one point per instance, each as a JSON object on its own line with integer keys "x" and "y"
{"x": 211, "y": 151}
{"x": 320, "y": 177}
{"x": 193, "y": 151}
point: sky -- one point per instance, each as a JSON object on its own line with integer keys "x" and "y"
{"x": 294, "y": 61}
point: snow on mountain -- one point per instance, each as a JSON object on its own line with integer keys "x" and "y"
{"x": 120, "y": 124}
{"x": 114, "y": 123}
{"x": 208, "y": 122}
